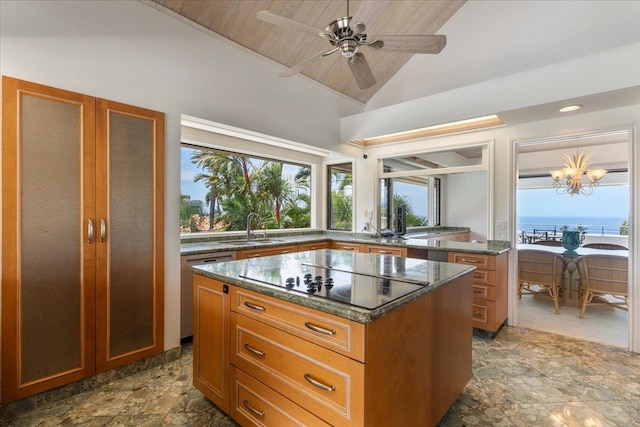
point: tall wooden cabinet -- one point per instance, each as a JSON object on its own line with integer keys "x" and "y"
{"x": 82, "y": 236}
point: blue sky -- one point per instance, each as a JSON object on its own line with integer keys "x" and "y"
{"x": 606, "y": 201}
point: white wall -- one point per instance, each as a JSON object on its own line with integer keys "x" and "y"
{"x": 465, "y": 202}
{"x": 129, "y": 52}
{"x": 504, "y": 174}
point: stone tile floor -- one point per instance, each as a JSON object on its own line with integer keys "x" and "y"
{"x": 521, "y": 378}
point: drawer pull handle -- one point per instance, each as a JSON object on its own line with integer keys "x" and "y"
{"x": 384, "y": 252}
{"x": 344, "y": 248}
{"x": 477, "y": 276}
{"x": 477, "y": 291}
{"x": 252, "y": 409}
{"x": 255, "y": 306}
{"x": 319, "y": 329}
{"x": 318, "y": 384}
{"x": 254, "y": 351}
{"x": 472, "y": 260}
{"x": 476, "y": 313}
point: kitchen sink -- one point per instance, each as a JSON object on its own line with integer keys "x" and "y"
{"x": 254, "y": 242}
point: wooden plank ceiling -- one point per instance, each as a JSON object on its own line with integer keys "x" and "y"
{"x": 236, "y": 20}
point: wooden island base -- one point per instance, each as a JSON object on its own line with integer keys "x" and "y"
{"x": 265, "y": 366}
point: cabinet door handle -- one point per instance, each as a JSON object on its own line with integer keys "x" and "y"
{"x": 319, "y": 329}
{"x": 255, "y": 306}
{"x": 253, "y": 350}
{"x": 252, "y": 409}
{"x": 103, "y": 229}
{"x": 89, "y": 231}
{"x": 318, "y": 384}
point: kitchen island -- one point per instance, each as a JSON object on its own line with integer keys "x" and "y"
{"x": 331, "y": 337}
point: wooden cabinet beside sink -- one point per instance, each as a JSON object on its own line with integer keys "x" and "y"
{"x": 490, "y": 288}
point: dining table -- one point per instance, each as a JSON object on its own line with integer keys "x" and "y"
{"x": 572, "y": 281}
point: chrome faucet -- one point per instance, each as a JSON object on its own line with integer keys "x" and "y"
{"x": 250, "y": 218}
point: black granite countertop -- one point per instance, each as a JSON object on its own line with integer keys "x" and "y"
{"x": 436, "y": 274}
{"x": 415, "y": 241}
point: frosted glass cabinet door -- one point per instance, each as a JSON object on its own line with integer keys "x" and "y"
{"x": 130, "y": 226}
{"x": 48, "y": 264}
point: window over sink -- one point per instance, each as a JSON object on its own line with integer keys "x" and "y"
{"x": 219, "y": 189}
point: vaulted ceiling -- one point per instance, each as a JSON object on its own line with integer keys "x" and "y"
{"x": 236, "y": 21}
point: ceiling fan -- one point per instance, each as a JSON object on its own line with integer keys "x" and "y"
{"x": 348, "y": 34}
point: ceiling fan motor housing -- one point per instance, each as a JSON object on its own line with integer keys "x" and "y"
{"x": 345, "y": 38}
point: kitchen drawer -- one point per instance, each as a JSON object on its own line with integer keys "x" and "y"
{"x": 483, "y": 277}
{"x": 484, "y": 313}
{"x": 386, "y": 250}
{"x": 260, "y": 252}
{"x": 345, "y": 246}
{"x": 312, "y": 246}
{"x": 486, "y": 262}
{"x": 254, "y": 404}
{"x": 320, "y": 380}
{"x": 336, "y": 333}
{"x": 484, "y": 291}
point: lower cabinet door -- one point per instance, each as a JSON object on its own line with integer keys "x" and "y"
{"x": 255, "y": 404}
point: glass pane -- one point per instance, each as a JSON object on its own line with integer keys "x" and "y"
{"x": 131, "y": 190}
{"x": 340, "y": 197}
{"x": 410, "y": 192}
{"x": 467, "y": 156}
{"x": 220, "y": 189}
{"x": 50, "y": 291}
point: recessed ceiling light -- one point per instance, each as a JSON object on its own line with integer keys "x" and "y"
{"x": 570, "y": 108}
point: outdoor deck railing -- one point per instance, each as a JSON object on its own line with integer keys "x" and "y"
{"x": 592, "y": 229}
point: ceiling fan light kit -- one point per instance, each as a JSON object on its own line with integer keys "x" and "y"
{"x": 348, "y": 39}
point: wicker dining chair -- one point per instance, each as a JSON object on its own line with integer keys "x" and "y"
{"x": 548, "y": 243}
{"x": 542, "y": 273}
{"x": 608, "y": 246}
{"x": 603, "y": 275}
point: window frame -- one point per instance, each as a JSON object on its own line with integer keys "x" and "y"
{"x": 329, "y": 205}
{"x": 233, "y": 149}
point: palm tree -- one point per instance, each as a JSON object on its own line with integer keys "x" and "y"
{"x": 413, "y": 220}
{"x": 274, "y": 188}
{"x": 297, "y": 212}
{"x": 218, "y": 170}
{"x": 189, "y": 210}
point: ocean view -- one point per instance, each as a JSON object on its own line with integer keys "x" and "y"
{"x": 594, "y": 225}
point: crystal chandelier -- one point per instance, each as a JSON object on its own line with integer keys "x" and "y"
{"x": 574, "y": 169}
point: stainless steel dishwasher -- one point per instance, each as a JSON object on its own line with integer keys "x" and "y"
{"x": 186, "y": 286}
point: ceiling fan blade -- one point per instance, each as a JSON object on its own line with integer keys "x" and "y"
{"x": 300, "y": 66}
{"x": 368, "y": 13}
{"x": 281, "y": 21}
{"x": 361, "y": 71}
{"x": 412, "y": 44}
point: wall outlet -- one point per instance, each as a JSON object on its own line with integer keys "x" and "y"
{"x": 366, "y": 226}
